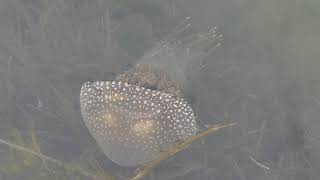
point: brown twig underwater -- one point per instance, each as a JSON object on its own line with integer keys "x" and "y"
{"x": 179, "y": 147}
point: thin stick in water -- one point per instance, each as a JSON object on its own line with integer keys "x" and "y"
{"x": 179, "y": 147}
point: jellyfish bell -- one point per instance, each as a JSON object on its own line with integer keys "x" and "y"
{"x": 132, "y": 124}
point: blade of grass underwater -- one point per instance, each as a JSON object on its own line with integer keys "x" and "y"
{"x": 36, "y": 147}
{"x": 179, "y": 147}
{"x": 95, "y": 174}
{"x": 26, "y": 150}
{"x": 27, "y": 158}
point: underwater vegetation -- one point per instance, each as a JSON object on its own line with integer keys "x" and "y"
{"x": 26, "y": 161}
{"x": 264, "y": 76}
{"x": 140, "y": 119}
{"x": 160, "y": 85}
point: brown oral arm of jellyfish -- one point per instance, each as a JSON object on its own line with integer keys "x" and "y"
{"x": 179, "y": 147}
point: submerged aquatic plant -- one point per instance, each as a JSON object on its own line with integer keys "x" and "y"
{"x": 25, "y": 158}
{"x": 144, "y": 110}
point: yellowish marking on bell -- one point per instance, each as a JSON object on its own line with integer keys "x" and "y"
{"x": 109, "y": 118}
{"x": 143, "y": 127}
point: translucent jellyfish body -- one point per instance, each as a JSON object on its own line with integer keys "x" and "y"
{"x": 142, "y": 113}
{"x": 133, "y": 124}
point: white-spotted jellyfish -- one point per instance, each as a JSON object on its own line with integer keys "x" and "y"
{"x": 133, "y": 124}
{"x": 142, "y": 113}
